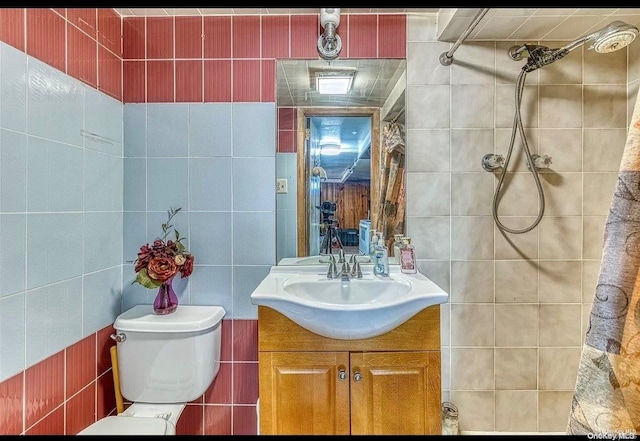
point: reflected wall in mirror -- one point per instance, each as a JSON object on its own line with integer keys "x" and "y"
{"x": 363, "y": 182}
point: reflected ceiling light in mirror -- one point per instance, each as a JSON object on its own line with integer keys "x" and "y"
{"x": 330, "y": 149}
{"x": 334, "y": 84}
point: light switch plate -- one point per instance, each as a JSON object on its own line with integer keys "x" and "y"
{"x": 281, "y": 186}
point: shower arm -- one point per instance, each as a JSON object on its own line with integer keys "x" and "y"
{"x": 446, "y": 58}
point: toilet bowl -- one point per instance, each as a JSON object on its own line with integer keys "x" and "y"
{"x": 164, "y": 362}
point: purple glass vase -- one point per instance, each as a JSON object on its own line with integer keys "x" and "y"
{"x": 166, "y": 301}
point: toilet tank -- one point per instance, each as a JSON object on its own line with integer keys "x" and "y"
{"x": 169, "y": 358}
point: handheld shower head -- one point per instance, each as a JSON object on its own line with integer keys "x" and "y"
{"x": 616, "y": 35}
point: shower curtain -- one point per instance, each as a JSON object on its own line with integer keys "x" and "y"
{"x": 392, "y": 199}
{"x": 606, "y": 399}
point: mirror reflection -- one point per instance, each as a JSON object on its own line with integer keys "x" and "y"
{"x": 340, "y": 161}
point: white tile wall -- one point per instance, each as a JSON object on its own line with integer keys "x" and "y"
{"x": 201, "y": 157}
{"x": 61, "y": 199}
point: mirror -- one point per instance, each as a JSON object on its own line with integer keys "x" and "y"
{"x": 322, "y": 196}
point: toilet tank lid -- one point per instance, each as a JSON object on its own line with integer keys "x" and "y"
{"x": 186, "y": 318}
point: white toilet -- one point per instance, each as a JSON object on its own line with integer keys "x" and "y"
{"x": 164, "y": 361}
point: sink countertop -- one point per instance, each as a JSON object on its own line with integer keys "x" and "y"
{"x": 354, "y": 309}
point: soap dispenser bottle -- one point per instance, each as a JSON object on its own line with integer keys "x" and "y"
{"x": 407, "y": 257}
{"x": 381, "y": 259}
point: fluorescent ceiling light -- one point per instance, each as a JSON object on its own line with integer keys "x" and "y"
{"x": 330, "y": 149}
{"x": 334, "y": 84}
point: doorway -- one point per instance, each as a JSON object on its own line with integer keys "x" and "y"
{"x": 348, "y": 178}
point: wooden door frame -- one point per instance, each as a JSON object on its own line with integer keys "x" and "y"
{"x": 303, "y": 168}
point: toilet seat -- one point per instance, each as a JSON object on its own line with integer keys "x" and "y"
{"x": 139, "y": 419}
{"x": 127, "y": 425}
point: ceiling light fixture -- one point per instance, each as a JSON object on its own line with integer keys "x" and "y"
{"x": 330, "y": 149}
{"x": 334, "y": 84}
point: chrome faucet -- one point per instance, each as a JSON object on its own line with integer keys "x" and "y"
{"x": 356, "y": 271}
{"x": 344, "y": 271}
{"x": 334, "y": 273}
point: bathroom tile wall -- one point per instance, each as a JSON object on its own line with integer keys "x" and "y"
{"x": 287, "y": 168}
{"x": 61, "y": 186}
{"x": 232, "y": 58}
{"x": 516, "y": 333}
{"x": 217, "y": 162}
{"x": 173, "y": 152}
{"x": 212, "y": 151}
{"x": 513, "y": 329}
{"x": 81, "y": 42}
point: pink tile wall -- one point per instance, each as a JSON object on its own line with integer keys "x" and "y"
{"x": 232, "y": 58}
{"x": 287, "y": 126}
{"x": 67, "y": 383}
{"x": 84, "y": 43}
{"x": 70, "y": 390}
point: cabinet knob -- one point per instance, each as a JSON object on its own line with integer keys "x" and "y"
{"x": 357, "y": 376}
{"x": 342, "y": 374}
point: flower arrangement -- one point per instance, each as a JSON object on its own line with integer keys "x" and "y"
{"x": 160, "y": 262}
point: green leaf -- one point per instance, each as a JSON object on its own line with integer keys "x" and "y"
{"x": 177, "y": 234}
{"x": 180, "y": 246}
{"x": 143, "y": 279}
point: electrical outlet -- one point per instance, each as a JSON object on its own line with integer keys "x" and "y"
{"x": 281, "y": 186}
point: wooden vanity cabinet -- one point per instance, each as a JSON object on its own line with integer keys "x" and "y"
{"x": 385, "y": 385}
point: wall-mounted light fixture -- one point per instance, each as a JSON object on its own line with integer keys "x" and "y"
{"x": 329, "y": 42}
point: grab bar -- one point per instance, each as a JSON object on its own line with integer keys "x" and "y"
{"x": 446, "y": 58}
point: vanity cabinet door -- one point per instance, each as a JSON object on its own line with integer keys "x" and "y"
{"x": 395, "y": 393}
{"x": 304, "y": 393}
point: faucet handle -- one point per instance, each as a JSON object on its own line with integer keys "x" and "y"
{"x": 332, "y": 273}
{"x": 357, "y": 270}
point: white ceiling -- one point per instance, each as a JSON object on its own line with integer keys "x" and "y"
{"x": 533, "y": 23}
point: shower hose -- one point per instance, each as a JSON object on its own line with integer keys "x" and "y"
{"x": 517, "y": 127}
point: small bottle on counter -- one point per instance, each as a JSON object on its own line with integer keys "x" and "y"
{"x": 373, "y": 241}
{"x": 381, "y": 259}
{"x": 397, "y": 244}
{"x": 407, "y": 257}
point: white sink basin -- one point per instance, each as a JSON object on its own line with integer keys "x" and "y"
{"x": 368, "y": 290}
{"x": 346, "y": 310}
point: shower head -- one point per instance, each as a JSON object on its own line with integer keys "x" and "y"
{"x": 614, "y": 36}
